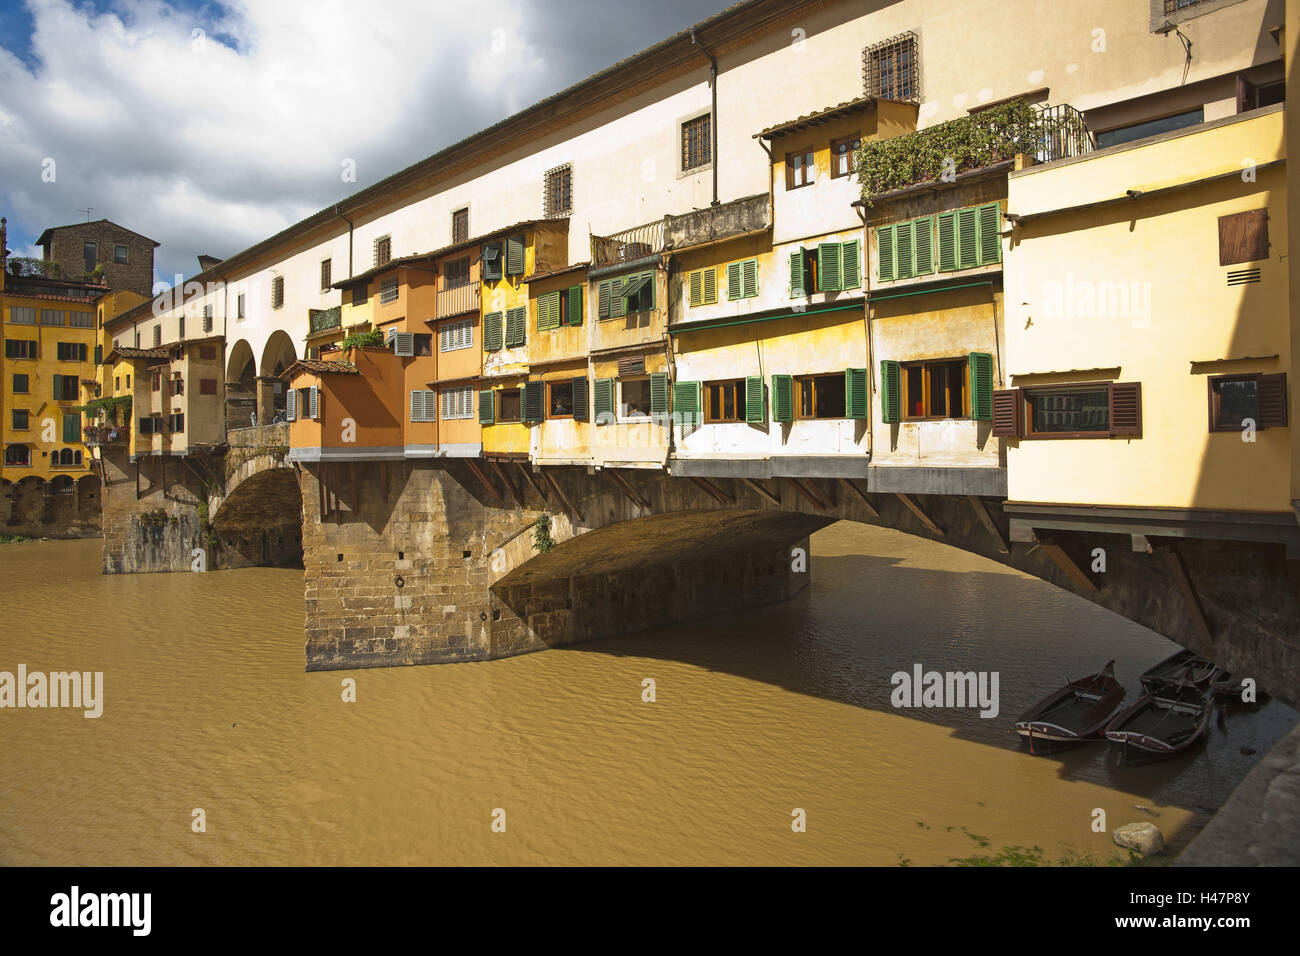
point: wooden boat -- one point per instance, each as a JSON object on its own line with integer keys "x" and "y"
{"x": 1226, "y": 684}
{"x": 1163, "y": 722}
{"x": 1183, "y": 666}
{"x": 1073, "y": 715}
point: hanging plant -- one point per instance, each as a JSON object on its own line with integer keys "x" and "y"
{"x": 542, "y": 540}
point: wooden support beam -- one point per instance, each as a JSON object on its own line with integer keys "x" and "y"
{"x": 352, "y": 487}
{"x": 717, "y": 493}
{"x": 523, "y": 470}
{"x": 808, "y": 494}
{"x": 921, "y": 516}
{"x": 482, "y": 476}
{"x": 568, "y": 505}
{"x": 763, "y": 492}
{"x": 986, "y": 519}
{"x": 510, "y": 485}
{"x": 1068, "y": 555}
{"x": 862, "y": 496}
{"x": 627, "y": 488}
{"x": 1178, "y": 570}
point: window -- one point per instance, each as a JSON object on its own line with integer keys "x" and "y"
{"x": 820, "y": 396}
{"x": 1127, "y": 134}
{"x": 155, "y": 381}
{"x": 149, "y": 425}
{"x": 71, "y": 351}
{"x": 388, "y": 291}
{"x": 1173, "y": 6}
{"x": 53, "y": 317}
{"x": 326, "y": 270}
{"x": 1070, "y": 411}
{"x": 423, "y": 342}
{"x": 456, "y": 273}
{"x": 458, "y": 402}
{"x": 66, "y": 458}
{"x": 157, "y": 336}
{"x": 89, "y": 254}
{"x": 508, "y": 405}
{"x": 18, "y": 455}
{"x": 515, "y": 258}
{"x": 22, "y": 316}
{"x": 277, "y": 292}
{"x": 20, "y": 349}
{"x": 625, "y": 295}
{"x": 492, "y": 339}
{"x": 742, "y": 279}
{"x": 492, "y": 262}
{"x": 799, "y": 169}
{"x": 207, "y": 325}
{"x": 65, "y": 388}
{"x": 1258, "y": 397}
{"x": 703, "y": 286}
{"x": 460, "y": 225}
{"x": 71, "y": 427}
{"x": 967, "y": 238}
{"x": 207, "y": 386}
{"x": 383, "y": 250}
{"x": 360, "y": 293}
{"x": 239, "y": 307}
{"x": 696, "y": 143}
{"x": 561, "y": 307}
{"x": 128, "y": 380}
{"x": 18, "y": 419}
{"x": 892, "y": 69}
{"x": 831, "y": 267}
{"x": 81, "y": 320}
{"x": 559, "y": 399}
{"x": 1100, "y": 410}
{"x": 634, "y": 398}
{"x": 843, "y": 152}
{"x": 20, "y": 384}
{"x": 516, "y": 320}
{"x": 119, "y": 255}
{"x": 934, "y": 389}
{"x": 1243, "y": 237}
{"x": 456, "y": 335}
{"x": 557, "y": 198}
{"x": 724, "y": 401}
{"x": 176, "y": 423}
{"x": 180, "y": 327}
{"x": 177, "y": 384}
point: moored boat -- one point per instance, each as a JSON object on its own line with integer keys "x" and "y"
{"x": 1072, "y": 715}
{"x": 1183, "y": 666}
{"x": 1162, "y": 723}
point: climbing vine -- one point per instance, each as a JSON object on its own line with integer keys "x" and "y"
{"x": 542, "y": 540}
{"x": 363, "y": 340}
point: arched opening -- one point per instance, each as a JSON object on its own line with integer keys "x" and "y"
{"x": 277, "y": 356}
{"x": 241, "y": 385}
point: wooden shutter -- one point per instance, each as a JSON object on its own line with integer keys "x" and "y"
{"x": 782, "y": 398}
{"x": 575, "y": 304}
{"x": 697, "y": 287}
{"x": 1008, "y": 412}
{"x": 72, "y": 429}
{"x": 830, "y": 277}
{"x": 99, "y": 355}
{"x": 990, "y": 223}
{"x": 1272, "y": 400}
{"x": 515, "y": 256}
{"x": 603, "y": 400}
{"x": 658, "y": 393}
{"x": 923, "y": 240}
{"x": 515, "y": 321}
{"x": 617, "y": 304}
{"x": 967, "y": 238}
{"x": 734, "y": 289}
{"x": 531, "y": 403}
{"x": 548, "y": 313}
{"x": 755, "y": 400}
{"x": 631, "y": 366}
{"x": 686, "y": 402}
{"x": 885, "y": 253}
{"x": 313, "y": 403}
{"x": 290, "y": 405}
{"x": 1126, "y": 408}
{"x": 796, "y": 274}
{"x": 980, "y": 367}
{"x": 710, "y": 286}
{"x": 904, "y": 250}
{"x": 947, "y": 241}
{"x": 492, "y": 262}
{"x": 749, "y": 277}
{"x": 891, "y": 394}
{"x": 580, "y": 403}
{"x": 855, "y": 392}
{"x": 492, "y": 331}
{"x": 487, "y": 407}
{"x": 851, "y": 263}
{"x": 417, "y": 405}
{"x": 1243, "y": 237}
{"x": 404, "y": 344}
{"x": 603, "y": 294}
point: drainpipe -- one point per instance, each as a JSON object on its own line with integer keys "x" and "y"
{"x": 713, "y": 111}
{"x": 771, "y": 183}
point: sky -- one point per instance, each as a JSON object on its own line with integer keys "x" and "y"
{"x": 210, "y": 126}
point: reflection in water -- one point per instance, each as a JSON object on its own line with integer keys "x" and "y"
{"x": 206, "y": 705}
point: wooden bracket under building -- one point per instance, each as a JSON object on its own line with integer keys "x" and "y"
{"x": 523, "y": 470}
{"x": 920, "y": 514}
{"x": 515, "y": 493}
{"x": 763, "y": 492}
{"x": 555, "y": 485}
{"x": 862, "y": 496}
{"x": 482, "y": 476}
{"x": 626, "y": 487}
{"x": 713, "y": 491}
{"x": 986, "y": 519}
{"x": 1178, "y": 570}
{"x": 808, "y": 494}
{"x": 1068, "y": 555}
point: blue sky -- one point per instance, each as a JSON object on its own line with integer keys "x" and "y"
{"x": 209, "y": 126}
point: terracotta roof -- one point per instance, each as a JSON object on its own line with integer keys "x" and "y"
{"x": 44, "y": 239}
{"x": 320, "y": 368}
{"x": 556, "y": 272}
{"x": 126, "y": 352}
{"x": 846, "y": 108}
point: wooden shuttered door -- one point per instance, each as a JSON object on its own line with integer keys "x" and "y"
{"x": 686, "y": 402}
{"x": 1243, "y": 237}
{"x": 980, "y": 366}
{"x": 1272, "y": 400}
{"x": 1126, "y": 408}
{"x": 603, "y": 400}
{"x": 658, "y": 393}
{"x": 486, "y": 407}
{"x": 755, "y": 400}
{"x": 531, "y": 401}
{"x": 856, "y": 403}
{"x": 516, "y": 319}
{"x": 830, "y": 275}
{"x": 492, "y": 332}
{"x": 891, "y": 397}
{"x": 782, "y": 398}
{"x": 1008, "y": 413}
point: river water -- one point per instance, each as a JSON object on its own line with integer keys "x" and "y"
{"x": 206, "y": 706}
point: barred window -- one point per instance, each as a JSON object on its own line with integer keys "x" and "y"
{"x": 277, "y": 292}
{"x": 383, "y": 250}
{"x": 696, "y": 142}
{"x": 326, "y": 270}
{"x": 388, "y": 290}
{"x": 892, "y": 69}
{"x": 460, "y": 225}
{"x": 558, "y": 197}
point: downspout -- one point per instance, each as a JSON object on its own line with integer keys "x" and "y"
{"x": 713, "y": 111}
{"x": 349, "y": 222}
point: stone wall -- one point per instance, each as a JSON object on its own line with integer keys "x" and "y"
{"x": 136, "y": 274}
{"x": 43, "y": 509}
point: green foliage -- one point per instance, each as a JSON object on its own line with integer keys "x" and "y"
{"x": 101, "y": 407}
{"x": 15, "y": 538}
{"x": 153, "y": 519}
{"x": 369, "y": 339}
{"x": 542, "y": 540}
{"x": 971, "y": 142}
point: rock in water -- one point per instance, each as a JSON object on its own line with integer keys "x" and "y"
{"x": 1144, "y": 838}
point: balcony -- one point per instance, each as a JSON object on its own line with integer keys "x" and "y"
{"x": 322, "y": 320}
{"x": 630, "y": 245}
{"x": 458, "y": 300}
{"x": 736, "y": 218}
{"x": 106, "y": 434}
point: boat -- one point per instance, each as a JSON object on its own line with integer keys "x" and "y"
{"x": 1183, "y": 666}
{"x": 1226, "y": 684}
{"x": 1073, "y": 715}
{"x": 1163, "y": 722}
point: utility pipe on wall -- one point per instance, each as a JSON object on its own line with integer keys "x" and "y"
{"x": 713, "y": 112}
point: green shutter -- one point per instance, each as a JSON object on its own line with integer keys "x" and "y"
{"x": 904, "y": 255}
{"x": 603, "y": 400}
{"x": 618, "y": 304}
{"x": 755, "y": 400}
{"x": 947, "y": 241}
{"x": 796, "y": 274}
{"x": 515, "y": 321}
{"x": 923, "y": 239}
{"x": 492, "y": 331}
{"x": 658, "y": 393}
{"x": 72, "y": 429}
{"x": 830, "y": 277}
{"x": 99, "y": 355}
{"x": 580, "y": 403}
{"x": 891, "y": 398}
{"x": 990, "y": 244}
{"x": 548, "y": 311}
{"x": 782, "y": 398}
{"x": 515, "y": 256}
{"x": 749, "y": 277}
{"x": 967, "y": 238}
{"x": 531, "y": 402}
{"x": 487, "y": 407}
{"x": 710, "y": 290}
{"x": 981, "y": 386}
{"x": 851, "y": 262}
{"x": 492, "y": 262}
{"x": 734, "y": 289}
{"x": 686, "y": 402}
{"x": 697, "y": 287}
{"x": 575, "y": 305}
{"x": 855, "y": 392}
{"x": 603, "y": 294}
{"x": 885, "y": 253}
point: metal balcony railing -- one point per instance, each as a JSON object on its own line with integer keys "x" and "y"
{"x": 106, "y": 434}
{"x": 628, "y": 245}
{"x": 457, "y": 300}
{"x": 1062, "y": 133}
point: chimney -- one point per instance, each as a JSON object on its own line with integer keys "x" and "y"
{"x": 207, "y": 262}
